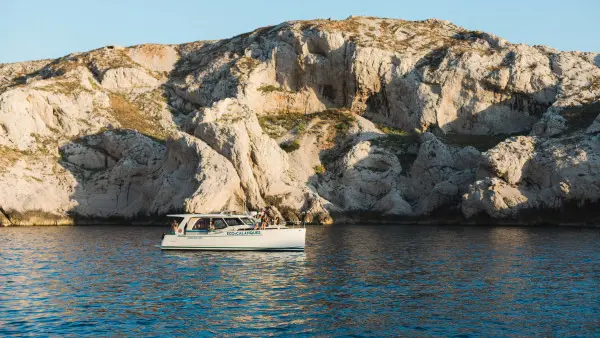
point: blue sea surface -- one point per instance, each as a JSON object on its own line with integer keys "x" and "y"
{"x": 351, "y": 281}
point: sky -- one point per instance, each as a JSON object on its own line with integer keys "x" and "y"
{"x": 38, "y": 29}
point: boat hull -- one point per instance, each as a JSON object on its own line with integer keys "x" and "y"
{"x": 249, "y": 240}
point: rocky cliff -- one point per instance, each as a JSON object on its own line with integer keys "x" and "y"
{"x": 316, "y": 118}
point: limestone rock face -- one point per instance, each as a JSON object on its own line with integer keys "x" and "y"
{"x": 312, "y": 118}
{"x": 261, "y": 164}
{"x": 143, "y": 176}
{"x": 549, "y": 175}
{"x": 508, "y": 159}
{"x": 440, "y": 174}
{"x": 367, "y": 178}
{"x": 128, "y": 78}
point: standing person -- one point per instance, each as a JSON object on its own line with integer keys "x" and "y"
{"x": 257, "y": 223}
{"x": 265, "y": 219}
{"x": 174, "y": 226}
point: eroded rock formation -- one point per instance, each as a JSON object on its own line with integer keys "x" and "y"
{"x": 313, "y": 117}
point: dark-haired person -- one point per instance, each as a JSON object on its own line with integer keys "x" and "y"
{"x": 174, "y": 225}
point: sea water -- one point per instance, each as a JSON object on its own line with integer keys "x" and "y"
{"x": 351, "y": 281}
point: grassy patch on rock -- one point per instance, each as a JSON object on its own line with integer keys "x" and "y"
{"x": 9, "y": 156}
{"x": 276, "y": 125}
{"x": 65, "y": 87}
{"x": 130, "y": 116}
{"x": 109, "y": 57}
{"x": 265, "y": 89}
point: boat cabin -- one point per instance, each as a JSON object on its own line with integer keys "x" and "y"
{"x": 201, "y": 223}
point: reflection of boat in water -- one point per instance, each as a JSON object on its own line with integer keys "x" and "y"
{"x": 224, "y": 231}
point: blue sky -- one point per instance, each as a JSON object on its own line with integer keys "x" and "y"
{"x": 36, "y": 29}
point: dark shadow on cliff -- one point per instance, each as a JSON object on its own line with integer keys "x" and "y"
{"x": 580, "y": 117}
{"x": 574, "y": 189}
{"x": 120, "y": 175}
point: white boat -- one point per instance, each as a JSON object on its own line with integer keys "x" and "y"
{"x": 230, "y": 231}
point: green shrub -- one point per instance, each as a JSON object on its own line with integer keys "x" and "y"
{"x": 269, "y": 89}
{"x": 290, "y": 146}
{"x": 301, "y": 127}
{"x": 319, "y": 169}
{"x": 279, "y": 124}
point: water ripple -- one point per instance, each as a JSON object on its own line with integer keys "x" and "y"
{"x": 351, "y": 281}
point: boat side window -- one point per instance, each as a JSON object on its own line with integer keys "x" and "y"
{"x": 248, "y": 221}
{"x": 219, "y": 223}
{"x": 233, "y": 221}
{"x": 200, "y": 224}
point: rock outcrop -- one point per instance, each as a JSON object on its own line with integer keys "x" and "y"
{"x": 315, "y": 118}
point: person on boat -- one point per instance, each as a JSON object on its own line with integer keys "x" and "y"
{"x": 211, "y": 227}
{"x": 258, "y": 223}
{"x": 266, "y": 222}
{"x": 174, "y": 226}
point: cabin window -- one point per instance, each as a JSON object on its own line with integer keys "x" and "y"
{"x": 233, "y": 221}
{"x": 219, "y": 223}
{"x": 248, "y": 221}
{"x": 199, "y": 224}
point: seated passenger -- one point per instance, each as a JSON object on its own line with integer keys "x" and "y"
{"x": 200, "y": 225}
